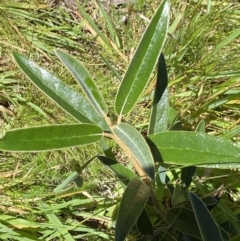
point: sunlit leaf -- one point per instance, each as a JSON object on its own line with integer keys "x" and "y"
{"x": 137, "y": 145}
{"x": 83, "y": 77}
{"x": 68, "y": 180}
{"x": 50, "y": 137}
{"x": 63, "y": 95}
{"x": 143, "y": 62}
{"x": 194, "y": 148}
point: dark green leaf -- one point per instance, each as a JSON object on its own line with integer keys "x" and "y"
{"x": 208, "y": 228}
{"x": 183, "y": 220}
{"x": 143, "y": 62}
{"x": 187, "y": 174}
{"x": 132, "y": 204}
{"x": 159, "y": 114}
{"x": 50, "y": 137}
{"x": 144, "y": 225}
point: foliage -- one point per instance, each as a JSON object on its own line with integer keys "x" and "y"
{"x": 145, "y": 208}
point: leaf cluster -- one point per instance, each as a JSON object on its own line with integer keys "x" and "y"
{"x": 161, "y": 199}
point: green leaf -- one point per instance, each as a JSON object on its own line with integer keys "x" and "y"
{"x": 137, "y": 145}
{"x": 63, "y": 95}
{"x": 179, "y": 195}
{"x": 159, "y": 114}
{"x": 83, "y": 77}
{"x": 208, "y": 228}
{"x": 201, "y": 127}
{"x": 183, "y": 220}
{"x": 122, "y": 173}
{"x": 132, "y": 204}
{"x": 187, "y": 174}
{"x": 50, "y": 137}
{"x": 68, "y": 180}
{"x": 194, "y": 148}
{"x": 53, "y": 219}
{"x": 144, "y": 225}
{"x": 227, "y": 40}
{"x": 143, "y": 62}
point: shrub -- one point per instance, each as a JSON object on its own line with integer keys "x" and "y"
{"x": 159, "y": 202}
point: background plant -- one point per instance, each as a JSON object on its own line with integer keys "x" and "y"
{"x": 129, "y": 117}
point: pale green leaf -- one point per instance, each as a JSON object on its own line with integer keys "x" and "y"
{"x": 227, "y": 40}
{"x": 132, "y": 204}
{"x": 194, "y": 148}
{"x": 137, "y": 145}
{"x": 50, "y": 137}
{"x": 143, "y": 62}
{"x": 68, "y": 180}
{"x": 84, "y": 78}
{"x": 53, "y": 219}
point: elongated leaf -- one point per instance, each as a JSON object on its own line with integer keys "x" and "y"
{"x": 132, "y": 204}
{"x": 83, "y": 77}
{"x": 208, "y": 228}
{"x": 143, "y": 62}
{"x": 122, "y": 172}
{"x": 68, "y": 180}
{"x": 50, "y": 137}
{"x": 95, "y": 30}
{"x": 53, "y": 219}
{"x": 159, "y": 115}
{"x": 137, "y": 145}
{"x": 227, "y": 40}
{"x": 194, "y": 148}
{"x": 187, "y": 175}
{"x": 144, "y": 225}
{"x": 183, "y": 220}
{"x": 63, "y": 95}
